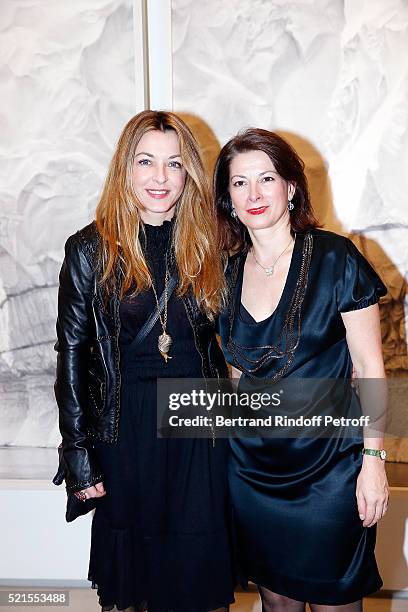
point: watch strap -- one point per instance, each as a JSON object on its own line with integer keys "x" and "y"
{"x": 382, "y": 454}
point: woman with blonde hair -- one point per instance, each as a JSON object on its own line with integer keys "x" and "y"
{"x": 140, "y": 288}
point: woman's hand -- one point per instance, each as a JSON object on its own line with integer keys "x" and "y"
{"x": 372, "y": 491}
{"x": 97, "y": 491}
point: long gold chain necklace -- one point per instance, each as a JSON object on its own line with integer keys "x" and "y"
{"x": 269, "y": 270}
{"x": 164, "y": 341}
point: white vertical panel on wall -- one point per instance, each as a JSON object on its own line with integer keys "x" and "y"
{"x": 332, "y": 76}
{"x": 160, "y": 54}
{"x": 67, "y": 76}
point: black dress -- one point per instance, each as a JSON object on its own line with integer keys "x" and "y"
{"x": 159, "y": 536}
{"x": 298, "y": 529}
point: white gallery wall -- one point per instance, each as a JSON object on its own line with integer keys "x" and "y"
{"x": 330, "y": 75}
{"x": 67, "y": 88}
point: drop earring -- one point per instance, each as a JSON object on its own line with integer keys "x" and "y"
{"x": 233, "y": 213}
{"x": 291, "y": 205}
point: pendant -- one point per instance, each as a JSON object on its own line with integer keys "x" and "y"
{"x": 269, "y": 271}
{"x": 164, "y": 343}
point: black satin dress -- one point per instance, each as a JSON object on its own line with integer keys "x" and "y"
{"x": 160, "y": 536}
{"x": 298, "y": 529}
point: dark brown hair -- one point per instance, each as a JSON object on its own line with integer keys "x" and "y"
{"x": 233, "y": 235}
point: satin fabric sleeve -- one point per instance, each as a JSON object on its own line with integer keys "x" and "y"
{"x": 358, "y": 285}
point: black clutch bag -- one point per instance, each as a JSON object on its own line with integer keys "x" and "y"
{"x": 76, "y": 507}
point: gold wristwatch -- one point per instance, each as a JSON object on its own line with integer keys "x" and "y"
{"x": 382, "y": 454}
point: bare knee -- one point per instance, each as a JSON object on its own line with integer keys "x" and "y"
{"x": 273, "y": 602}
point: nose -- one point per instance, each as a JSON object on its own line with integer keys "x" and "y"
{"x": 160, "y": 176}
{"x": 254, "y": 194}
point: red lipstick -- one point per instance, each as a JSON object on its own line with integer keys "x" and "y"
{"x": 257, "y": 211}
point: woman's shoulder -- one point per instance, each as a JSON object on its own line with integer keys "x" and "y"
{"x": 356, "y": 282}
{"x": 232, "y": 266}
{"x": 87, "y": 237}
{"x": 84, "y": 241}
{"x": 332, "y": 242}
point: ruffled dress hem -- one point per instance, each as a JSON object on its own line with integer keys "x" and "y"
{"x": 143, "y": 606}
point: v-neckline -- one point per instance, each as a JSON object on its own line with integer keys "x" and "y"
{"x": 286, "y": 288}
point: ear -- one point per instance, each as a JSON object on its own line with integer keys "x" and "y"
{"x": 291, "y": 189}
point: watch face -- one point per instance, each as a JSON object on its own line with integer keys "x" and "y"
{"x": 383, "y": 454}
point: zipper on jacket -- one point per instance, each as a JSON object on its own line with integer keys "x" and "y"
{"x": 119, "y": 376}
{"x": 213, "y": 437}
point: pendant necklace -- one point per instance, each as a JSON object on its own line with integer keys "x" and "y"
{"x": 269, "y": 270}
{"x": 164, "y": 341}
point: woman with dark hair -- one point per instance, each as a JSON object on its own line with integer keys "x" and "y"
{"x": 140, "y": 288}
{"x": 302, "y": 305}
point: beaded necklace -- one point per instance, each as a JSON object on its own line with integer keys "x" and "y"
{"x": 289, "y": 335}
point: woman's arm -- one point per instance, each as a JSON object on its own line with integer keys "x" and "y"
{"x": 363, "y": 334}
{"x": 77, "y": 462}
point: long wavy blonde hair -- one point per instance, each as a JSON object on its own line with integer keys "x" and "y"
{"x": 195, "y": 230}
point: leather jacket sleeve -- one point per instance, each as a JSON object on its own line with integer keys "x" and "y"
{"x": 74, "y": 332}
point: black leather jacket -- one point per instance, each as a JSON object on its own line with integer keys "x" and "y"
{"x": 87, "y": 386}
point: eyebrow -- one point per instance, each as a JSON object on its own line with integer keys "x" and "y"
{"x": 260, "y": 174}
{"x": 150, "y": 155}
